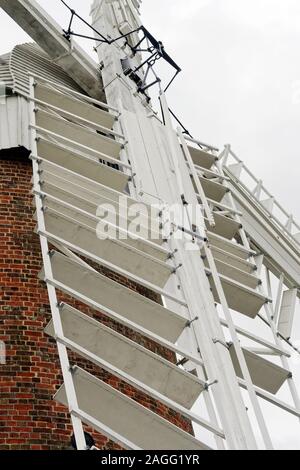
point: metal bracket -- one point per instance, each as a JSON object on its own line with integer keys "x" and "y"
{"x": 172, "y": 255}
{"x": 182, "y": 362}
{"x": 72, "y": 369}
{"x": 210, "y": 384}
{"x": 184, "y": 201}
{"x": 190, "y": 322}
{"x": 177, "y": 267}
{"x": 131, "y": 178}
{"x": 226, "y": 345}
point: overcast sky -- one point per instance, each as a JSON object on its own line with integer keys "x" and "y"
{"x": 241, "y": 77}
{"x": 240, "y": 85}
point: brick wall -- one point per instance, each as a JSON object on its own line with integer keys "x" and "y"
{"x": 29, "y": 418}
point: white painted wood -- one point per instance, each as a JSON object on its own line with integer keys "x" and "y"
{"x": 142, "y": 244}
{"x": 258, "y": 189}
{"x": 236, "y": 169}
{"x": 226, "y": 269}
{"x": 25, "y": 59}
{"x": 240, "y": 298}
{"x": 14, "y": 121}
{"x": 76, "y": 118}
{"x": 53, "y": 300}
{"x": 232, "y": 260}
{"x": 74, "y": 105}
{"x": 265, "y": 374}
{"x": 80, "y": 134}
{"x": 90, "y": 203}
{"x": 193, "y": 278}
{"x": 89, "y": 167}
{"x": 270, "y": 312}
{"x": 268, "y": 204}
{"x": 114, "y": 251}
{"x": 229, "y": 246}
{"x": 157, "y": 164}
{"x": 287, "y": 313}
{"x": 225, "y": 226}
{"x": 213, "y": 190}
{"x": 142, "y": 387}
{"x": 126, "y": 417}
{"x": 118, "y": 298}
{"x": 277, "y": 350}
{"x": 202, "y": 158}
{"x": 211, "y": 174}
{"x": 281, "y": 257}
{"x": 238, "y": 350}
{"x": 131, "y": 358}
{"x": 196, "y": 180}
{"x": 70, "y": 181}
{"x": 49, "y": 36}
{"x": 155, "y": 156}
{"x": 270, "y": 398}
{"x": 281, "y": 218}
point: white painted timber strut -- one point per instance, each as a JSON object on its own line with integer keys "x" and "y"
{"x": 270, "y": 310}
{"x": 35, "y": 21}
{"x": 62, "y": 350}
{"x": 70, "y": 226}
{"x": 234, "y": 442}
